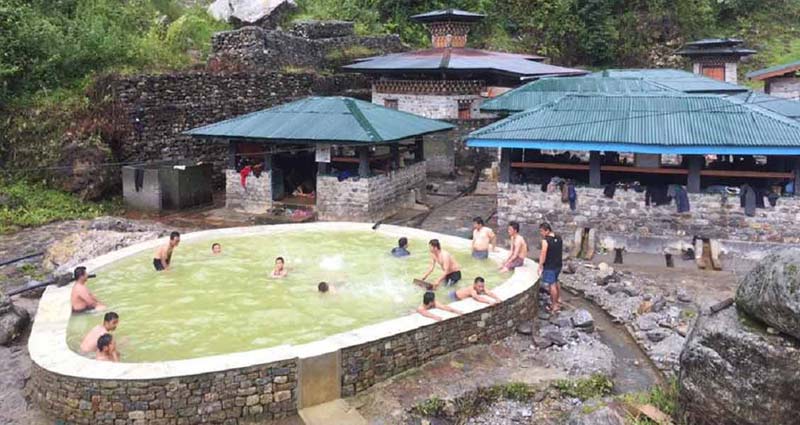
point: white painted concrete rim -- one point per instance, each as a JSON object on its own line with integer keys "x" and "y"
{"x": 48, "y": 340}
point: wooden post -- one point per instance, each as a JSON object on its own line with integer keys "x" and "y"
{"x": 594, "y": 169}
{"x": 796, "y": 171}
{"x": 267, "y": 161}
{"x": 394, "y": 150}
{"x": 231, "y": 155}
{"x": 363, "y": 161}
{"x": 505, "y": 165}
{"x": 693, "y": 180}
{"x": 419, "y": 149}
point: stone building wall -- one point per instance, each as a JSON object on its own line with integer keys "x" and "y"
{"x": 256, "y": 47}
{"x": 238, "y": 396}
{"x": 436, "y": 106}
{"x": 367, "y": 199}
{"x": 786, "y": 87}
{"x": 166, "y": 105}
{"x": 367, "y": 364}
{"x": 447, "y": 150}
{"x": 711, "y": 216}
{"x": 255, "y": 197}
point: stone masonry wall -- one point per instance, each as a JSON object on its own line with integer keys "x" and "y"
{"x": 255, "y": 197}
{"x": 367, "y": 199}
{"x": 234, "y": 397}
{"x": 255, "y": 47}
{"x": 447, "y": 150}
{"x": 364, "y": 365}
{"x": 166, "y": 105}
{"x": 711, "y": 216}
{"x": 786, "y": 87}
{"x": 436, "y": 106}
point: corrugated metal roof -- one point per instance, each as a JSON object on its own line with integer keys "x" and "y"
{"x": 715, "y": 46}
{"x": 448, "y": 15}
{"x": 323, "y": 119}
{"x": 547, "y": 90}
{"x": 715, "y": 42}
{"x": 674, "y": 79}
{"x": 646, "y": 124}
{"x": 774, "y": 71}
{"x": 786, "y": 107}
{"x": 460, "y": 59}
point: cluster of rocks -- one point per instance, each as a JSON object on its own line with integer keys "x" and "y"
{"x": 741, "y": 366}
{"x": 658, "y": 321}
{"x": 13, "y": 320}
{"x": 266, "y": 14}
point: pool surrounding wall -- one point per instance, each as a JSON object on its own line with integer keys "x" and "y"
{"x": 271, "y": 383}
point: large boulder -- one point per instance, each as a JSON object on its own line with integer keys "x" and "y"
{"x": 75, "y": 249}
{"x": 734, "y": 373}
{"x": 13, "y": 320}
{"x": 263, "y": 13}
{"x": 771, "y": 291}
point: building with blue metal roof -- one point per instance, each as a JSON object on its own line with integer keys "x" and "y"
{"x": 780, "y": 80}
{"x": 346, "y": 158}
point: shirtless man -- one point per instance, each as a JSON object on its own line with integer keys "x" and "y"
{"x": 106, "y": 349}
{"x": 81, "y": 297}
{"x": 429, "y": 303}
{"x": 483, "y": 239}
{"x": 519, "y": 248}
{"x": 216, "y": 248}
{"x": 450, "y": 268}
{"x": 279, "y": 271}
{"x": 110, "y": 322}
{"x": 163, "y": 255}
{"x": 477, "y": 292}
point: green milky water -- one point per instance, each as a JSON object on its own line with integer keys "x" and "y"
{"x": 206, "y": 305}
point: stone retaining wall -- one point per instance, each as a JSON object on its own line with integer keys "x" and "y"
{"x": 364, "y": 365}
{"x": 255, "y": 197}
{"x": 367, "y": 199}
{"x": 233, "y": 397}
{"x": 444, "y": 151}
{"x": 711, "y": 216}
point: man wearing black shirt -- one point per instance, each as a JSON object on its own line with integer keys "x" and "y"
{"x": 550, "y": 264}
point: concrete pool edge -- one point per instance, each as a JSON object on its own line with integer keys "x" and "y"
{"x": 56, "y": 363}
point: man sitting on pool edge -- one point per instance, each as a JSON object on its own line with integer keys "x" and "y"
{"x": 110, "y": 323}
{"x": 451, "y": 271}
{"x": 429, "y": 303}
{"x": 477, "y": 292}
{"x": 106, "y": 349}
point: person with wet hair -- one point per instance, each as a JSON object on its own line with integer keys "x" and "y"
{"x": 106, "y": 349}
{"x": 519, "y": 248}
{"x": 401, "y": 250}
{"x": 279, "y": 271}
{"x": 325, "y": 288}
{"x": 429, "y": 303}
{"x": 216, "y": 248}
{"x": 451, "y": 270}
{"x": 81, "y": 298}
{"x": 163, "y": 254}
{"x": 110, "y": 323}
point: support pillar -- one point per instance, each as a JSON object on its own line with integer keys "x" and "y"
{"x": 594, "y": 169}
{"x": 363, "y": 161}
{"x": 419, "y": 149}
{"x": 796, "y": 171}
{"x": 505, "y": 165}
{"x": 267, "y": 162}
{"x": 231, "y": 155}
{"x": 695, "y": 165}
{"x": 394, "y": 151}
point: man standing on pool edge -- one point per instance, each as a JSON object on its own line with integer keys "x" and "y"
{"x": 163, "y": 254}
{"x": 550, "y": 264}
{"x": 451, "y": 271}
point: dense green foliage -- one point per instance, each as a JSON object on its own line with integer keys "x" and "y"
{"x": 56, "y": 44}
{"x": 617, "y": 33}
{"x": 24, "y": 204}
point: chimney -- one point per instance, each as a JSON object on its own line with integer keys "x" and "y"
{"x": 448, "y": 28}
{"x": 716, "y": 58}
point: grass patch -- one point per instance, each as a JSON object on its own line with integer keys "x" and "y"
{"x": 515, "y": 391}
{"x": 431, "y": 407}
{"x": 595, "y": 386}
{"x": 663, "y": 397}
{"x": 349, "y": 53}
{"x": 24, "y": 204}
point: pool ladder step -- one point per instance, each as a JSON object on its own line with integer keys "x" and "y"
{"x": 333, "y": 412}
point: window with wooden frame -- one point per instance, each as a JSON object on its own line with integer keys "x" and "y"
{"x": 716, "y": 72}
{"x": 390, "y": 103}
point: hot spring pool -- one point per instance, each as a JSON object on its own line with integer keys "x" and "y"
{"x": 207, "y": 305}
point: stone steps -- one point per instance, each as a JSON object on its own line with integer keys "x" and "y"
{"x": 333, "y": 412}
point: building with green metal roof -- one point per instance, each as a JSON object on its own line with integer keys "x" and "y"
{"x": 348, "y": 158}
{"x": 780, "y": 80}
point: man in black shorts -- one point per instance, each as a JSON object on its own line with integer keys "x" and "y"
{"x": 450, "y": 268}
{"x": 163, "y": 254}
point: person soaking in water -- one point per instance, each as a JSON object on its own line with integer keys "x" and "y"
{"x": 110, "y": 323}
{"x": 477, "y": 292}
{"x": 429, "y": 303}
{"x": 163, "y": 254}
{"x": 279, "y": 271}
{"x": 451, "y": 271}
{"x": 107, "y": 349}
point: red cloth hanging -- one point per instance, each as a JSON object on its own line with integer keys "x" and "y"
{"x": 243, "y": 175}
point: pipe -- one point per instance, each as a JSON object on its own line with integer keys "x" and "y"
{"x": 16, "y": 260}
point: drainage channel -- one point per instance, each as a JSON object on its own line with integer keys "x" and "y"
{"x": 633, "y": 369}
